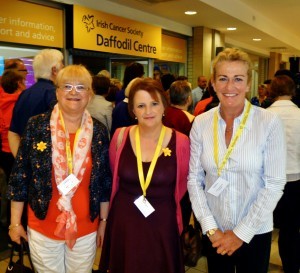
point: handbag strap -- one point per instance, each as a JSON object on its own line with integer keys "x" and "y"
{"x": 11, "y": 255}
{"x": 120, "y": 137}
{"x": 25, "y": 246}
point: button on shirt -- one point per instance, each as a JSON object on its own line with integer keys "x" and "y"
{"x": 255, "y": 171}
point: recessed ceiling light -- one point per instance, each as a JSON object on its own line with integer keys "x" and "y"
{"x": 190, "y": 12}
{"x": 256, "y": 39}
{"x": 231, "y": 28}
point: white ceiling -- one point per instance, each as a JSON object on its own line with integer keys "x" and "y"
{"x": 276, "y": 22}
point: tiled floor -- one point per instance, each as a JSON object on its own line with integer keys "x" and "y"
{"x": 275, "y": 262}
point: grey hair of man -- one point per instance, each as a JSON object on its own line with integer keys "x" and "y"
{"x": 45, "y": 61}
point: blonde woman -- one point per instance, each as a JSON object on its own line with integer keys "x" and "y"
{"x": 237, "y": 171}
{"x": 62, "y": 170}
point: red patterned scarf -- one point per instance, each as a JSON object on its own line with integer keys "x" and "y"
{"x": 67, "y": 227}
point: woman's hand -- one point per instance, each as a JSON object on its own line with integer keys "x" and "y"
{"x": 16, "y": 232}
{"x": 217, "y": 236}
{"x": 227, "y": 244}
{"x": 104, "y": 207}
{"x": 100, "y": 233}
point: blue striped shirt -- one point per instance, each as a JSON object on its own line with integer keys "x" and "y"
{"x": 255, "y": 172}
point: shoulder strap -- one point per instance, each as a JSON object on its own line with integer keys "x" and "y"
{"x": 120, "y": 137}
{"x": 25, "y": 247}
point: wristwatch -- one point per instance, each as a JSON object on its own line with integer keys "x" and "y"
{"x": 211, "y": 232}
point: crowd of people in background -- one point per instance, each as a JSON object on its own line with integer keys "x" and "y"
{"x": 91, "y": 161}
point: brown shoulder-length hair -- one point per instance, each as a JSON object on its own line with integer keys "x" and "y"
{"x": 153, "y": 87}
{"x": 282, "y": 86}
{"x": 10, "y": 80}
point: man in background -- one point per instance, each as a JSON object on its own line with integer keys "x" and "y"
{"x": 198, "y": 92}
{"x": 39, "y": 97}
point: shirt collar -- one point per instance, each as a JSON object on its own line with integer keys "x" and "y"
{"x": 238, "y": 119}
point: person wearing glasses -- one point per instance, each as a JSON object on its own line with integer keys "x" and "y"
{"x": 38, "y": 98}
{"x": 237, "y": 171}
{"x": 65, "y": 177}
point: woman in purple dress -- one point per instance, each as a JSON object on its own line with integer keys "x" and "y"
{"x": 150, "y": 166}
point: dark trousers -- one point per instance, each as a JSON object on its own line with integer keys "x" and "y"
{"x": 288, "y": 210}
{"x": 6, "y": 163}
{"x": 186, "y": 210}
{"x": 249, "y": 258}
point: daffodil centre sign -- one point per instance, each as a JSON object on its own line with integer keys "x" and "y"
{"x": 99, "y": 31}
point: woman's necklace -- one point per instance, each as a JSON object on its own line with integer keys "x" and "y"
{"x": 227, "y": 130}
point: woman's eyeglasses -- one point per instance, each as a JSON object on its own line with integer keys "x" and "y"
{"x": 79, "y": 88}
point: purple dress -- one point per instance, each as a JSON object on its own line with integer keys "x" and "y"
{"x": 133, "y": 243}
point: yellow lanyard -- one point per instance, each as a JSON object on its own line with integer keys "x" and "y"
{"x": 232, "y": 143}
{"x": 68, "y": 145}
{"x": 145, "y": 184}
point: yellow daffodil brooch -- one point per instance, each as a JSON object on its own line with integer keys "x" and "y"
{"x": 41, "y": 146}
{"x": 167, "y": 151}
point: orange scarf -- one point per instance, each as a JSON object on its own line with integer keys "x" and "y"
{"x": 67, "y": 227}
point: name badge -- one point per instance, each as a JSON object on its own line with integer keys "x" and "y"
{"x": 144, "y": 206}
{"x": 218, "y": 187}
{"x": 68, "y": 184}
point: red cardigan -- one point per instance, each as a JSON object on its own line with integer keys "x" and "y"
{"x": 183, "y": 157}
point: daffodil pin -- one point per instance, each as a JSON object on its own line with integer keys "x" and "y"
{"x": 41, "y": 146}
{"x": 166, "y": 151}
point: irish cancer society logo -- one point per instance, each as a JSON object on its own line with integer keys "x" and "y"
{"x": 88, "y": 21}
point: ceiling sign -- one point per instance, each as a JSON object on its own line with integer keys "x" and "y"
{"x": 99, "y": 31}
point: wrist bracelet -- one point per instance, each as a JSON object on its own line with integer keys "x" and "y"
{"x": 13, "y": 226}
{"x": 103, "y": 219}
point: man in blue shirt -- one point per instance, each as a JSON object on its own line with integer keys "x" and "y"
{"x": 198, "y": 92}
{"x": 39, "y": 97}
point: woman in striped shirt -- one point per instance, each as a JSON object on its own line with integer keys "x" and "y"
{"x": 237, "y": 171}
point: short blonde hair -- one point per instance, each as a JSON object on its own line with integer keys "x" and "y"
{"x": 104, "y": 73}
{"x": 75, "y": 73}
{"x": 232, "y": 55}
{"x": 127, "y": 89}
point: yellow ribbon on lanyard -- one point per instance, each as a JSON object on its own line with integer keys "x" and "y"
{"x": 232, "y": 143}
{"x": 68, "y": 145}
{"x": 145, "y": 184}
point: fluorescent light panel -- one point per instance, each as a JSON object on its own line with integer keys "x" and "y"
{"x": 190, "y": 12}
